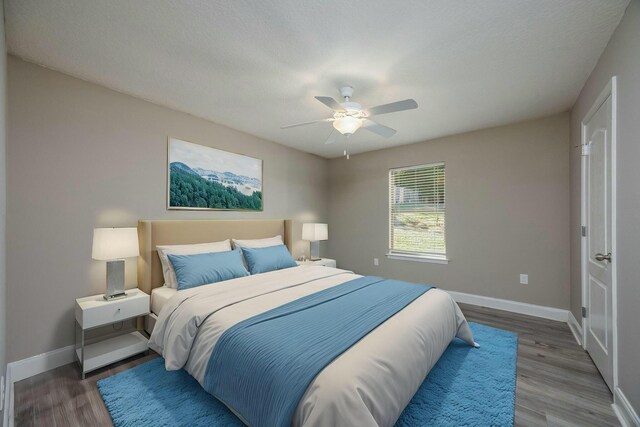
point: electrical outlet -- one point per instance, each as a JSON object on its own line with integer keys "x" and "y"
{"x": 376, "y": 262}
{"x": 524, "y": 279}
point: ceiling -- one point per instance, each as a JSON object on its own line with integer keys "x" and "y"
{"x": 256, "y": 65}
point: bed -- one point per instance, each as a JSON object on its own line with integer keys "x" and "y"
{"x": 368, "y": 384}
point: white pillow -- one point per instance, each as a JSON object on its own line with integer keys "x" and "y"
{"x": 258, "y": 243}
{"x": 200, "y": 248}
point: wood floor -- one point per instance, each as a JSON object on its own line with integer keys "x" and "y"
{"x": 558, "y": 384}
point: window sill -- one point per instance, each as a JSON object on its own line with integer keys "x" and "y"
{"x": 419, "y": 258}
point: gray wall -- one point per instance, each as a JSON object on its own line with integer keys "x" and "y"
{"x": 82, "y": 156}
{"x": 3, "y": 199}
{"x": 621, "y": 58}
{"x": 507, "y": 211}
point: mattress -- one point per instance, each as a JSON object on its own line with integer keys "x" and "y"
{"x": 160, "y": 296}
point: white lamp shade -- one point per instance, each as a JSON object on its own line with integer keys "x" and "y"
{"x": 314, "y": 232}
{"x": 115, "y": 243}
{"x": 347, "y": 125}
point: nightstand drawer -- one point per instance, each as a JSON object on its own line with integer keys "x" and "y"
{"x": 95, "y": 311}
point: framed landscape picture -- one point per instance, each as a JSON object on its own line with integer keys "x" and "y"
{"x": 201, "y": 177}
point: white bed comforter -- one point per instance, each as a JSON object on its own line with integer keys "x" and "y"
{"x": 368, "y": 385}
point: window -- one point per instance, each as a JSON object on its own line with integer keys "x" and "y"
{"x": 417, "y": 212}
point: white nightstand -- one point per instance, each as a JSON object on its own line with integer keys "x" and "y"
{"x": 93, "y": 312}
{"x": 327, "y": 262}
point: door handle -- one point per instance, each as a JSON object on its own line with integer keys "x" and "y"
{"x": 601, "y": 257}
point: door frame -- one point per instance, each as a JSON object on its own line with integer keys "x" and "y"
{"x": 609, "y": 90}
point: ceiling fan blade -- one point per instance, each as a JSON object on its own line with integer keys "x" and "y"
{"x": 306, "y": 123}
{"x": 330, "y": 102}
{"x": 379, "y": 129}
{"x": 407, "y": 104}
{"x": 332, "y": 137}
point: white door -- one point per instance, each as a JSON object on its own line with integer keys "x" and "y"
{"x": 599, "y": 248}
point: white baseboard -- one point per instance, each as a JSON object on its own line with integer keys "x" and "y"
{"x": 512, "y": 306}
{"x": 25, "y": 368}
{"x": 576, "y": 328}
{"x": 35, "y": 365}
{"x": 627, "y": 416}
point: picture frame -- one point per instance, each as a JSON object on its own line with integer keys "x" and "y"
{"x": 200, "y": 177}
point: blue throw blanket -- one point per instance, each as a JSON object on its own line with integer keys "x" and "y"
{"x": 261, "y": 367}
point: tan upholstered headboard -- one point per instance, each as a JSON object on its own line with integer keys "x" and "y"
{"x": 170, "y": 232}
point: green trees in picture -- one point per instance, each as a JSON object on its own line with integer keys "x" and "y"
{"x": 191, "y": 191}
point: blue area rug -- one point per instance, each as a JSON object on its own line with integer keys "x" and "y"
{"x": 467, "y": 387}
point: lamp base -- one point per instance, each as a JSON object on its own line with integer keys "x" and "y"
{"x": 115, "y": 279}
{"x": 314, "y": 250}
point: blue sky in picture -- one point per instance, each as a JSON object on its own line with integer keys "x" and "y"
{"x": 200, "y": 156}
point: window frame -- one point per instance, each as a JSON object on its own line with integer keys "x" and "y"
{"x": 410, "y": 255}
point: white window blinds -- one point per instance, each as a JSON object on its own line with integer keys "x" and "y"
{"x": 417, "y": 210}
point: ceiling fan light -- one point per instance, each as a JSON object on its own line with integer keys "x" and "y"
{"x": 347, "y": 125}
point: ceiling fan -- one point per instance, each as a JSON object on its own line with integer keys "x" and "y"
{"x": 349, "y": 116}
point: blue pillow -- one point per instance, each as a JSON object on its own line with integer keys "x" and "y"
{"x": 261, "y": 260}
{"x": 202, "y": 269}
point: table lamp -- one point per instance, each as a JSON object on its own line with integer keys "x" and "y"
{"x": 313, "y": 232}
{"x": 113, "y": 245}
